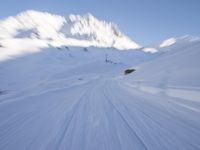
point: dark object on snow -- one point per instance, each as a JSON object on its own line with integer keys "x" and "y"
{"x": 66, "y": 47}
{"x": 109, "y": 61}
{"x": 85, "y": 49}
{"x": 128, "y": 71}
{"x": 2, "y": 92}
{"x": 1, "y": 45}
{"x": 59, "y": 48}
{"x": 49, "y": 39}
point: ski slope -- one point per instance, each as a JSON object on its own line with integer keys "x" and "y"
{"x": 72, "y": 98}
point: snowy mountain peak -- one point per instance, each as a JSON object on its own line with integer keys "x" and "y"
{"x": 173, "y": 43}
{"x": 187, "y": 39}
{"x": 73, "y": 30}
{"x": 89, "y": 28}
{"x": 168, "y": 42}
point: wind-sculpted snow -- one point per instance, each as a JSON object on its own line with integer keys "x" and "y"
{"x": 79, "y": 98}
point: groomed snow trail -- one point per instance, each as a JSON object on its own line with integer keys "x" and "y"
{"x": 102, "y": 114}
{"x": 72, "y": 99}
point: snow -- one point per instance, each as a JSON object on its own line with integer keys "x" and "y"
{"x": 168, "y": 42}
{"x": 13, "y": 48}
{"x": 81, "y": 29}
{"x": 47, "y": 25}
{"x": 172, "y": 44}
{"x": 178, "y": 43}
{"x": 31, "y": 31}
{"x": 69, "y": 98}
{"x": 67, "y": 94}
{"x": 150, "y": 49}
{"x": 177, "y": 68}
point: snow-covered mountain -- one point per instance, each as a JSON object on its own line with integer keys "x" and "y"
{"x": 74, "y": 30}
{"x": 173, "y": 43}
{"x": 68, "y": 87}
{"x": 178, "y": 67}
{"x": 31, "y": 31}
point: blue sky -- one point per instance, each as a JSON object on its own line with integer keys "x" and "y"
{"x": 145, "y": 21}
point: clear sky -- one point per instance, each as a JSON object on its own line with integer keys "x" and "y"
{"x": 145, "y": 21}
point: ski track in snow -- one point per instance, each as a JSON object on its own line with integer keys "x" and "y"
{"x": 101, "y": 114}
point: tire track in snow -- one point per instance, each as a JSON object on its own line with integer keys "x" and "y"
{"x": 68, "y": 121}
{"x": 126, "y": 121}
{"x": 173, "y": 125}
